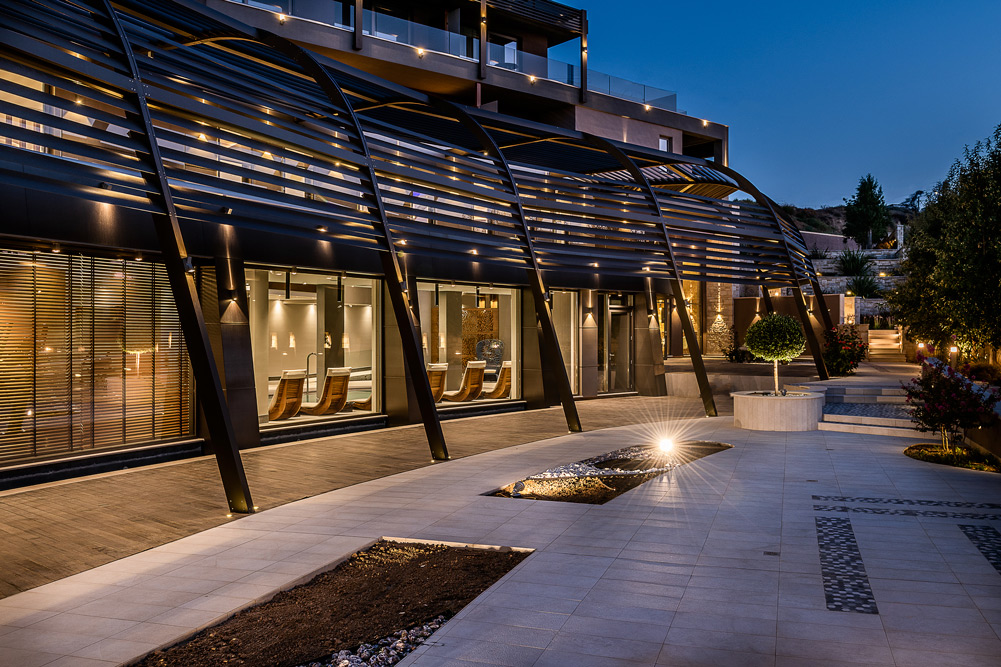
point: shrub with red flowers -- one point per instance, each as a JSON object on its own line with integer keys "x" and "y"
{"x": 844, "y": 350}
{"x": 945, "y": 400}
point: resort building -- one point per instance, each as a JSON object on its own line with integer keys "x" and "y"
{"x": 231, "y": 224}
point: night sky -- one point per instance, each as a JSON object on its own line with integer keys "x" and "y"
{"x": 817, "y": 94}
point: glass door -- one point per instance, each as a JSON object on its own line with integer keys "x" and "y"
{"x": 620, "y": 348}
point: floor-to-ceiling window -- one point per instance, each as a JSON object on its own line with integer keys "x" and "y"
{"x": 314, "y": 339}
{"x": 91, "y": 355}
{"x": 471, "y": 335}
{"x": 565, "y": 317}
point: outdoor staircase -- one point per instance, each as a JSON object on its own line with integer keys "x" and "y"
{"x": 886, "y": 345}
{"x": 872, "y": 410}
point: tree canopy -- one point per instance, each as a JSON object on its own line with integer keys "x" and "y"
{"x": 866, "y": 214}
{"x": 953, "y": 267}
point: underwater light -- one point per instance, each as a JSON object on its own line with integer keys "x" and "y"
{"x": 666, "y": 445}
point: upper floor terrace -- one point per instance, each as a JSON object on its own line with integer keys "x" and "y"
{"x": 524, "y": 57}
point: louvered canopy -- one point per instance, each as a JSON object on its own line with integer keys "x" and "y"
{"x": 248, "y": 138}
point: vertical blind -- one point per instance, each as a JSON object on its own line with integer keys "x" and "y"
{"x": 91, "y": 355}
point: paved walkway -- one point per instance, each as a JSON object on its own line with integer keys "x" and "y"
{"x": 54, "y": 530}
{"x": 816, "y": 548}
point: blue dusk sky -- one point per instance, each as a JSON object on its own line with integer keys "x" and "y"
{"x": 817, "y": 94}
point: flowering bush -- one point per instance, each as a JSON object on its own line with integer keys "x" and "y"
{"x": 943, "y": 399}
{"x": 844, "y": 350}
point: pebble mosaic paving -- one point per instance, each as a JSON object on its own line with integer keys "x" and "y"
{"x": 988, "y": 540}
{"x": 846, "y": 585}
{"x": 883, "y": 410}
{"x": 885, "y": 511}
{"x": 903, "y": 501}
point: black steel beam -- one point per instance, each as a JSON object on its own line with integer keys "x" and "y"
{"x": 180, "y": 274}
{"x": 811, "y": 334}
{"x": 552, "y": 356}
{"x": 395, "y": 283}
{"x": 694, "y": 349}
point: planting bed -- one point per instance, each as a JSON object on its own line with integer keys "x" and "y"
{"x": 366, "y": 600}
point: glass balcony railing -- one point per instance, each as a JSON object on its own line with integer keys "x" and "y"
{"x": 419, "y": 36}
{"x": 630, "y": 90}
{"x": 382, "y": 26}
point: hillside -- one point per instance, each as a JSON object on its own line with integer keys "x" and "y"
{"x": 827, "y": 220}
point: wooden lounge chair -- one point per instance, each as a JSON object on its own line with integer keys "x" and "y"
{"x": 288, "y": 396}
{"x": 334, "y": 394}
{"x": 503, "y": 387}
{"x": 472, "y": 383}
{"x": 365, "y": 404}
{"x": 436, "y": 376}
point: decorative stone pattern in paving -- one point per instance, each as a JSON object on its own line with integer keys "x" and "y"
{"x": 903, "y": 501}
{"x": 846, "y": 585}
{"x": 885, "y": 511}
{"x": 884, "y": 410}
{"x": 988, "y": 540}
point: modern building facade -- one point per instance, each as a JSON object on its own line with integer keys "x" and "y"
{"x": 229, "y": 224}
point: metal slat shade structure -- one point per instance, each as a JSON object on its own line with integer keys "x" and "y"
{"x": 251, "y": 131}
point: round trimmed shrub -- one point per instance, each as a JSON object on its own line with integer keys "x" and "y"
{"x": 775, "y": 338}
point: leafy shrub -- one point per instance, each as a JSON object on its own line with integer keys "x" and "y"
{"x": 775, "y": 338}
{"x": 739, "y": 355}
{"x": 864, "y": 286}
{"x": 844, "y": 350}
{"x": 818, "y": 253}
{"x": 983, "y": 371}
{"x": 945, "y": 400}
{"x": 853, "y": 263}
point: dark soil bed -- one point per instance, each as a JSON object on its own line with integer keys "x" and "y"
{"x": 599, "y": 489}
{"x": 389, "y": 587}
{"x": 962, "y": 458}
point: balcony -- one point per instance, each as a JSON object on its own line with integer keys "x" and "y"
{"x": 340, "y": 15}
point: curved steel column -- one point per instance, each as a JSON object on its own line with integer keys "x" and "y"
{"x": 694, "y": 349}
{"x": 798, "y": 297}
{"x": 552, "y": 356}
{"x": 180, "y": 273}
{"x": 395, "y": 282}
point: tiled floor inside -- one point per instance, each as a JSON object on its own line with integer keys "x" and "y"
{"x": 739, "y": 558}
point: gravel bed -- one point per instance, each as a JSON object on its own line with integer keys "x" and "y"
{"x": 387, "y": 651}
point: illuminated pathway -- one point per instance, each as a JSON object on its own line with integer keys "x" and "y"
{"x": 737, "y": 558}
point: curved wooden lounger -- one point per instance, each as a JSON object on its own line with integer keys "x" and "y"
{"x": 472, "y": 383}
{"x": 288, "y": 396}
{"x": 503, "y": 387}
{"x": 436, "y": 376}
{"x": 334, "y": 394}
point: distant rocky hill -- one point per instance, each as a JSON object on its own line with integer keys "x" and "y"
{"x": 827, "y": 220}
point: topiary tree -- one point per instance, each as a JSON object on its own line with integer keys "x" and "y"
{"x": 775, "y": 338}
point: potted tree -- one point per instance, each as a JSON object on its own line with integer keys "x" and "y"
{"x": 775, "y": 338}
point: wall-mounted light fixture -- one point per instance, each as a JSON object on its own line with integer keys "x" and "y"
{"x": 282, "y": 18}
{"x": 420, "y": 53}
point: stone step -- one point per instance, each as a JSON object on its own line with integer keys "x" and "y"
{"x": 904, "y": 423}
{"x": 865, "y": 399}
{"x": 868, "y": 429}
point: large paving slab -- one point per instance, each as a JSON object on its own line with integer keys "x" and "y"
{"x": 738, "y": 558}
{"x": 54, "y": 530}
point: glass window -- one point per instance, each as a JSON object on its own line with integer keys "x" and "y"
{"x": 665, "y": 144}
{"x": 466, "y": 328}
{"x": 314, "y": 338}
{"x": 91, "y": 355}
